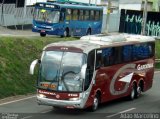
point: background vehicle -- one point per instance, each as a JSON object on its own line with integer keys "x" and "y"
{"x": 67, "y": 19}
{"x": 95, "y": 69}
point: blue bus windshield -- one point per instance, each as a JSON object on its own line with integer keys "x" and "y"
{"x": 47, "y": 15}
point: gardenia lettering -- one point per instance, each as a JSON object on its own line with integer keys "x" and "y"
{"x": 145, "y": 66}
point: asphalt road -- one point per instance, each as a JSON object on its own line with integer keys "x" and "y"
{"x": 145, "y": 107}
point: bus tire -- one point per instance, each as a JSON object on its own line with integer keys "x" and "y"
{"x": 138, "y": 92}
{"x": 88, "y": 32}
{"x": 139, "y": 89}
{"x": 66, "y": 33}
{"x": 56, "y": 108}
{"x": 132, "y": 95}
{"x": 42, "y": 34}
{"x": 96, "y": 102}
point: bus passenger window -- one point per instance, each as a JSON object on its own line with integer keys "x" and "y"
{"x": 127, "y": 53}
{"x": 62, "y": 14}
{"x": 97, "y": 15}
{"x": 75, "y": 15}
{"x": 99, "y": 59}
{"x": 141, "y": 51}
{"x": 106, "y": 54}
{"x": 86, "y": 16}
{"x": 81, "y": 15}
{"x": 68, "y": 16}
{"x": 92, "y": 16}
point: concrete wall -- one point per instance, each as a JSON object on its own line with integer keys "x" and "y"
{"x": 114, "y": 22}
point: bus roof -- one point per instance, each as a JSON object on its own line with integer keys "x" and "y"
{"x": 78, "y": 6}
{"x": 88, "y": 43}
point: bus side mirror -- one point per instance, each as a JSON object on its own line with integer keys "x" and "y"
{"x": 32, "y": 66}
{"x": 83, "y": 71}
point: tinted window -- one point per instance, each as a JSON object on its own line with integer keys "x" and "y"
{"x": 86, "y": 17}
{"x": 97, "y": 15}
{"x": 108, "y": 56}
{"x": 137, "y": 52}
{"x": 127, "y": 53}
{"x": 92, "y": 16}
{"x": 75, "y": 15}
{"x": 68, "y": 16}
{"x": 142, "y": 51}
{"x": 81, "y": 15}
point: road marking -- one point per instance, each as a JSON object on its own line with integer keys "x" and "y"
{"x": 120, "y": 112}
{"x": 156, "y": 72}
{"x": 27, "y": 117}
{"x": 47, "y": 111}
{"x": 17, "y": 100}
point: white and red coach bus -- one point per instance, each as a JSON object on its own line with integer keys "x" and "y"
{"x": 94, "y": 69}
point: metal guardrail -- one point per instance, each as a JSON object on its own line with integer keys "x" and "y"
{"x": 157, "y": 60}
{"x": 12, "y": 15}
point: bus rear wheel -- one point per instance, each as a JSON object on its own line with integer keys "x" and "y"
{"x": 138, "y": 92}
{"x": 42, "y": 34}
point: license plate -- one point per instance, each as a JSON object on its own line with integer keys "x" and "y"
{"x": 43, "y": 31}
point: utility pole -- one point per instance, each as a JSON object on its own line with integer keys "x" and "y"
{"x": 144, "y": 17}
{"x": 24, "y": 13}
{"x": 108, "y": 16}
{"x": 89, "y": 2}
{"x": 2, "y": 13}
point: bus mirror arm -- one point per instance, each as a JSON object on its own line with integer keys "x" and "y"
{"x": 32, "y": 66}
{"x": 97, "y": 67}
{"x": 83, "y": 71}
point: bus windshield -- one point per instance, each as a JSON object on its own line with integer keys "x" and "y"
{"x": 46, "y": 15}
{"x": 60, "y": 71}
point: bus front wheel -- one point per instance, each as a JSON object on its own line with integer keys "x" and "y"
{"x": 95, "y": 105}
{"x": 88, "y": 32}
{"x": 42, "y": 34}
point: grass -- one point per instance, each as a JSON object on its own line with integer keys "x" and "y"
{"x": 157, "y": 50}
{"x": 16, "y": 54}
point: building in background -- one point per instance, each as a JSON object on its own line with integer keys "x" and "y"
{"x": 32, "y": 2}
{"x": 153, "y": 5}
{"x": 130, "y": 4}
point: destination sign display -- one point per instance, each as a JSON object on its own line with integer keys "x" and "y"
{"x": 47, "y": 5}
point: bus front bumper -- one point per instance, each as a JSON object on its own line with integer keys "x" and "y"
{"x": 60, "y": 103}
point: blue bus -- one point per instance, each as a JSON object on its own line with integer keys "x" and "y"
{"x": 66, "y": 19}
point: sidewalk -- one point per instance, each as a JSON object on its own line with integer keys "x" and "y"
{"x": 13, "y": 32}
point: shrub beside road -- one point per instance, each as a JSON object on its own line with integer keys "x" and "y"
{"x": 16, "y": 54}
{"x": 157, "y": 50}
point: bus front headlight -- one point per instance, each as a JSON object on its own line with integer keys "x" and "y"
{"x": 35, "y": 27}
{"x": 41, "y": 96}
{"x": 74, "y": 99}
